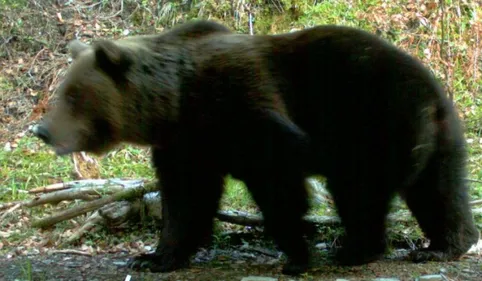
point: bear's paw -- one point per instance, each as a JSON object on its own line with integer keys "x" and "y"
{"x": 157, "y": 262}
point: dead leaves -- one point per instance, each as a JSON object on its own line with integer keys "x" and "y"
{"x": 85, "y": 166}
{"x": 33, "y": 59}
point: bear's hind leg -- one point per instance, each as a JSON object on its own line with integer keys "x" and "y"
{"x": 439, "y": 201}
{"x": 190, "y": 198}
{"x": 362, "y": 209}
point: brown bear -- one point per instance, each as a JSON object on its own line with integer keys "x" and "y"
{"x": 271, "y": 110}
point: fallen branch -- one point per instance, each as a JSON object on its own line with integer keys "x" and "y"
{"x": 10, "y": 204}
{"x": 476, "y": 202}
{"x": 87, "y": 190}
{"x": 49, "y": 188}
{"x": 82, "y": 193}
{"x": 108, "y": 183}
{"x": 115, "y": 213}
{"x": 92, "y": 222}
{"x": 240, "y": 218}
{"x": 54, "y": 198}
{"x": 75, "y": 252}
{"x": 18, "y": 205}
{"x": 128, "y": 200}
{"x": 473, "y": 180}
{"x": 246, "y": 219}
{"x": 126, "y": 194}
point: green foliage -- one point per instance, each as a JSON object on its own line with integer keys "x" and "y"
{"x": 22, "y": 169}
{"x": 13, "y": 4}
{"x": 129, "y": 162}
{"x": 406, "y": 231}
{"x": 28, "y": 166}
{"x": 236, "y": 195}
{"x": 220, "y": 240}
{"x": 19, "y": 236}
{"x": 478, "y": 220}
{"x": 5, "y": 85}
{"x": 329, "y": 233}
{"x": 329, "y": 12}
{"x": 27, "y": 270}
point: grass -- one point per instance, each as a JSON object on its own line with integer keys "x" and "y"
{"x": 236, "y": 195}
{"x": 13, "y": 4}
{"x": 27, "y": 270}
{"x": 24, "y": 168}
{"x": 333, "y": 12}
{"x": 32, "y": 164}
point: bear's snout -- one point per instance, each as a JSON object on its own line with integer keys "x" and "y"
{"x": 42, "y": 133}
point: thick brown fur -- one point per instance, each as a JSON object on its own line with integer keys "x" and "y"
{"x": 271, "y": 110}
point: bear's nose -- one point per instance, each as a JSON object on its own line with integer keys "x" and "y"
{"x": 42, "y": 133}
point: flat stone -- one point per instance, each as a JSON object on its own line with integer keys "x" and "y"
{"x": 258, "y": 278}
{"x": 432, "y": 277}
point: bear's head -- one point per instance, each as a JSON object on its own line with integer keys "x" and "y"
{"x": 87, "y": 112}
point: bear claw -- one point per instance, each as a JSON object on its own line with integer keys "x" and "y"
{"x": 155, "y": 263}
{"x": 425, "y": 255}
{"x": 294, "y": 269}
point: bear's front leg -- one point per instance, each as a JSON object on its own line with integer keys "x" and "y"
{"x": 190, "y": 190}
{"x": 164, "y": 259}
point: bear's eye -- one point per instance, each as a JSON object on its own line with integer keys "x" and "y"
{"x": 70, "y": 95}
{"x": 70, "y": 99}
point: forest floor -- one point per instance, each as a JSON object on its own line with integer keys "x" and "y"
{"x": 232, "y": 264}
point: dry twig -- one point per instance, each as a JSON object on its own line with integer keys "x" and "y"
{"x": 115, "y": 14}
{"x": 10, "y": 211}
{"x": 68, "y": 251}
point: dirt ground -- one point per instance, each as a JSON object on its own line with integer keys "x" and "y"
{"x": 218, "y": 264}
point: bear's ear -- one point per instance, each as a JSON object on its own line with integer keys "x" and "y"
{"x": 111, "y": 58}
{"x": 76, "y": 47}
